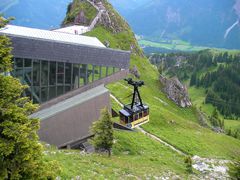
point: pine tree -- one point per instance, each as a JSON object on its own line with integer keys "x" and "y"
{"x": 103, "y": 132}
{"x": 188, "y": 162}
{"x": 161, "y": 68}
{"x": 193, "y": 79}
{"x": 234, "y": 169}
{"x": 229, "y": 132}
{"x": 20, "y": 152}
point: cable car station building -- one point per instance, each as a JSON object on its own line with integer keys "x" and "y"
{"x": 66, "y": 75}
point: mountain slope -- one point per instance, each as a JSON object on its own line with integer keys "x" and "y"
{"x": 134, "y": 154}
{"x": 213, "y": 80}
{"x": 186, "y": 133}
{"x": 201, "y": 23}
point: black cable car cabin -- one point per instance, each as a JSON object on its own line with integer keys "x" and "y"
{"x": 136, "y": 113}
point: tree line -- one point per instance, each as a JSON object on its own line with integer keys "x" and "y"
{"x": 216, "y": 71}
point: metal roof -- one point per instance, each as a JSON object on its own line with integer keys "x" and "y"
{"x": 24, "y": 47}
{"x": 124, "y": 112}
{"x": 69, "y": 103}
{"x": 75, "y": 29}
{"x": 33, "y": 33}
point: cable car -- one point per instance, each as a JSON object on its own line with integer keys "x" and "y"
{"x": 136, "y": 113}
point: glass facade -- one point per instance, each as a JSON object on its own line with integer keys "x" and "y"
{"x": 47, "y": 79}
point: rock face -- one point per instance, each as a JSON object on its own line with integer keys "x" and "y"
{"x": 176, "y": 91}
{"x": 135, "y": 71}
{"x": 80, "y": 18}
{"x": 211, "y": 168}
{"x": 108, "y": 19}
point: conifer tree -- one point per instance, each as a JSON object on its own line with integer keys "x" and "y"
{"x": 20, "y": 152}
{"x": 103, "y": 132}
{"x": 193, "y": 79}
{"x": 188, "y": 162}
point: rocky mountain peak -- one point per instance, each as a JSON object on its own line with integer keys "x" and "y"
{"x": 176, "y": 91}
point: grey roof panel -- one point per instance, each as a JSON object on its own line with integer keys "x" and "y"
{"x": 50, "y": 35}
{"x": 124, "y": 112}
{"x": 63, "y": 52}
{"x": 69, "y": 103}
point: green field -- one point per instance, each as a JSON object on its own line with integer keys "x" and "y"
{"x": 198, "y": 97}
{"x": 232, "y": 124}
{"x": 174, "y": 45}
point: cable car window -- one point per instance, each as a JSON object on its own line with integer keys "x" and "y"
{"x": 126, "y": 119}
{"x": 145, "y": 112}
{"x": 131, "y": 119}
{"x": 136, "y": 117}
{"x": 122, "y": 117}
{"x": 140, "y": 115}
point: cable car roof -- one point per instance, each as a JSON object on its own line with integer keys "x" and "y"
{"x": 124, "y": 112}
{"x": 136, "y": 107}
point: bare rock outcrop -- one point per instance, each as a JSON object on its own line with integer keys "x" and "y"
{"x": 176, "y": 91}
{"x": 108, "y": 19}
{"x": 135, "y": 71}
{"x": 80, "y": 18}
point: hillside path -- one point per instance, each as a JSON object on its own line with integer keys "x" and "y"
{"x": 100, "y": 10}
{"x": 208, "y": 168}
{"x": 152, "y": 136}
{"x": 160, "y": 140}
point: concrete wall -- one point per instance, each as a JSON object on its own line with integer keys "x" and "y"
{"x": 73, "y": 124}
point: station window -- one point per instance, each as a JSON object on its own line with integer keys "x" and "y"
{"x": 44, "y": 73}
{"x": 76, "y": 76}
{"x": 52, "y": 73}
{"x": 96, "y": 71}
{"x": 103, "y": 72}
{"x": 49, "y": 79}
{"x": 90, "y": 73}
{"x": 84, "y": 74}
{"x": 36, "y": 73}
{"x": 60, "y": 73}
{"x": 27, "y": 72}
{"x": 68, "y": 73}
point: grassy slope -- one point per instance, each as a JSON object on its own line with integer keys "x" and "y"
{"x": 198, "y": 97}
{"x": 185, "y": 133}
{"x": 90, "y": 12}
{"x": 134, "y": 153}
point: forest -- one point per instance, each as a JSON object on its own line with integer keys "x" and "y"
{"x": 216, "y": 71}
